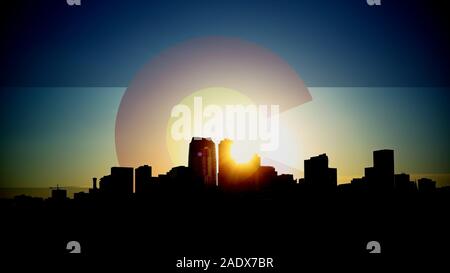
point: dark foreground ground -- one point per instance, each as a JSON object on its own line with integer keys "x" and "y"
{"x": 297, "y": 233}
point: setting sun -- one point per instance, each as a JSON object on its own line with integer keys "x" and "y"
{"x": 243, "y": 151}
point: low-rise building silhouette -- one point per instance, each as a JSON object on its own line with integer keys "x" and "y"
{"x": 94, "y": 190}
{"x": 119, "y": 183}
{"x": 426, "y": 185}
{"x": 403, "y": 184}
{"x": 59, "y": 194}
{"x": 318, "y": 176}
{"x": 143, "y": 176}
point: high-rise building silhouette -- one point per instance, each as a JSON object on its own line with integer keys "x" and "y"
{"x": 234, "y": 176}
{"x": 143, "y": 176}
{"x": 202, "y": 160}
{"x": 383, "y": 162}
{"x": 380, "y": 177}
{"x": 226, "y": 163}
{"x": 318, "y": 176}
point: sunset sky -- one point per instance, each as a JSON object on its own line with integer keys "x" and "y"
{"x": 66, "y": 135}
{"x": 378, "y": 78}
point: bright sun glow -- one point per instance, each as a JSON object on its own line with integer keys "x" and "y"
{"x": 243, "y": 151}
{"x": 212, "y": 95}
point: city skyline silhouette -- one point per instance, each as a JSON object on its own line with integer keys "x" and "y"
{"x": 251, "y": 176}
{"x": 183, "y": 135}
{"x": 209, "y": 212}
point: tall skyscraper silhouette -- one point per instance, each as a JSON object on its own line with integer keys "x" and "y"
{"x": 202, "y": 160}
{"x": 381, "y": 177}
{"x": 234, "y": 176}
{"x": 226, "y": 163}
